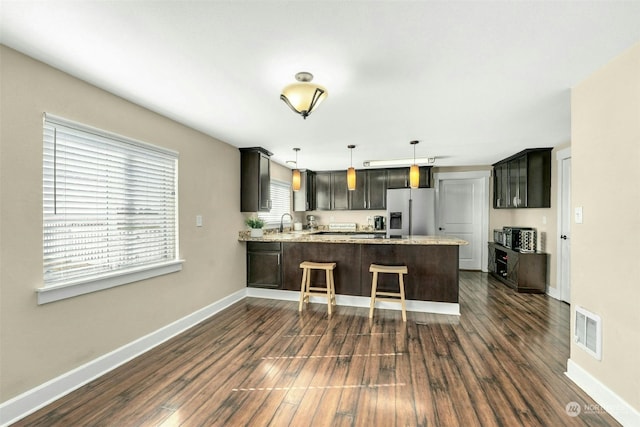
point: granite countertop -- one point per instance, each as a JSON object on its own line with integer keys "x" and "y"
{"x": 357, "y": 238}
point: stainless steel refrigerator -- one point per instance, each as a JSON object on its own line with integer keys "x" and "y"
{"x": 411, "y": 212}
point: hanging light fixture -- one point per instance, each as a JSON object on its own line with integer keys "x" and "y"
{"x": 351, "y": 172}
{"x": 303, "y": 97}
{"x": 414, "y": 171}
{"x": 295, "y": 177}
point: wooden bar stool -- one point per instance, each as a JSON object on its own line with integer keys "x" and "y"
{"x": 307, "y": 290}
{"x": 400, "y": 270}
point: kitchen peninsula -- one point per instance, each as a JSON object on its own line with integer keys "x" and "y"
{"x": 431, "y": 285}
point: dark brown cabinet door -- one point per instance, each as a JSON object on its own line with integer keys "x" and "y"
{"x": 255, "y": 180}
{"x": 264, "y": 262}
{"x": 377, "y": 189}
{"x": 358, "y": 198}
{"x": 264, "y": 198}
{"x": 323, "y": 191}
{"x": 523, "y": 180}
{"x": 398, "y": 178}
{"x": 339, "y": 191}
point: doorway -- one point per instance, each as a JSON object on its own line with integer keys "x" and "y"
{"x": 462, "y": 200}
{"x": 564, "y": 224}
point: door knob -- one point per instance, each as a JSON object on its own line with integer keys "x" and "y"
{"x": 440, "y": 228}
{"x": 563, "y": 237}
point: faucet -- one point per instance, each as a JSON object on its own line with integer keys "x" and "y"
{"x": 282, "y": 219}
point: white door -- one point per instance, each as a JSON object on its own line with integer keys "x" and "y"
{"x": 564, "y": 232}
{"x": 460, "y": 205}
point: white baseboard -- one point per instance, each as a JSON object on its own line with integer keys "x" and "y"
{"x": 553, "y": 292}
{"x": 606, "y": 399}
{"x": 355, "y": 301}
{"x": 38, "y": 397}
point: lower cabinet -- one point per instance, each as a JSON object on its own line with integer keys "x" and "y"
{"x": 264, "y": 265}
{"x": 522, "y": 271}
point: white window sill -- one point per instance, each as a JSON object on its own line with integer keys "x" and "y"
{"x": 69, "y": 290}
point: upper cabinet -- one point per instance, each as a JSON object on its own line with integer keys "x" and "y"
{"x": 399, "y": 177}
{"x": 523, "y": 180}
{"x": 331, "y": 191}
{"x": 255, "y": 180}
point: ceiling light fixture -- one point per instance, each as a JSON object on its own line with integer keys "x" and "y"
{"x": 414, "y": 170}
{"x": 295, "y": 176}
{"x": 303, "y": 97}
{"x": 351, "y": 172}
{"x": 400, "y": 162}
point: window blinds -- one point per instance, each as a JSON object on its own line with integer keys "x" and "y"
{"x": 280, "y": 203}
{"x": 109, "y": 203}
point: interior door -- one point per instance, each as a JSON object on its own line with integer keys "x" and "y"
{"x": 460, "y": 215}
{"x": 564, "y": 267}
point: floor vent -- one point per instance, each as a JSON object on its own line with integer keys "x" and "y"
{"x": 588, "y": 332}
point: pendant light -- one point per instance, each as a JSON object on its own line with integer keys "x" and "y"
{"x": 351, "y": 172}
{"x": 303, "y": 97}
{"x": 295, "y": 176}
{"x": 414, "y": 171}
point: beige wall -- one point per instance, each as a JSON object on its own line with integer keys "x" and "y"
{"x": 39, "y": 343}
{"x": 605, "y": 266}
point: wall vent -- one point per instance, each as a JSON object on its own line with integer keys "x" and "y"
{"x": 588, "y": 332}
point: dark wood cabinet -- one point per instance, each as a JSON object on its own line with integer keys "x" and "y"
{"x": 339, "y": 191}
{"x": 358, "y": 198}
{"x": 305, "y": 198}
{"x": 399, "y": 177}
{"x": 522, "y": 271}
{"x": 264, "y": 261}
{"x": 255, "y": 180}
{"x": 331, "y": 191}
{"x": 323, "y": 191}
{"x": 377, "y": 189}
{"x": 523, "y": 180}
{"x": 371, "y": 190}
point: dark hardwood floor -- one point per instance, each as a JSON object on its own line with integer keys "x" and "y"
{"x": 261, "y": 363}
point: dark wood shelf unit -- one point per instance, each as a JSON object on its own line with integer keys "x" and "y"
{"x": 522, "y": 271}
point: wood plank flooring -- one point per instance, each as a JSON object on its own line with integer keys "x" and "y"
{"x": 261, "y": 363}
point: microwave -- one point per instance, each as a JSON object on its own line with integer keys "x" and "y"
{"x": 520, "y": 238}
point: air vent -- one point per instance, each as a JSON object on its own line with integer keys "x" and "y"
{"x": 588, "y": 332}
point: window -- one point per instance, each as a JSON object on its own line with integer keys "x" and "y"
{"x": 280, "y": 203}
{"x": 109, "y": 210}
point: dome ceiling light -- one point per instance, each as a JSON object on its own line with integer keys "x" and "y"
{"x": 303, "y": 97}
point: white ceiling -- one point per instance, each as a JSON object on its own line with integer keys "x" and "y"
{"x": 473, "y": 81}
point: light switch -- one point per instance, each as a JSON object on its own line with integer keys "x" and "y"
{"x": 578, "y": 215}
{"x": 198, "y": 220}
